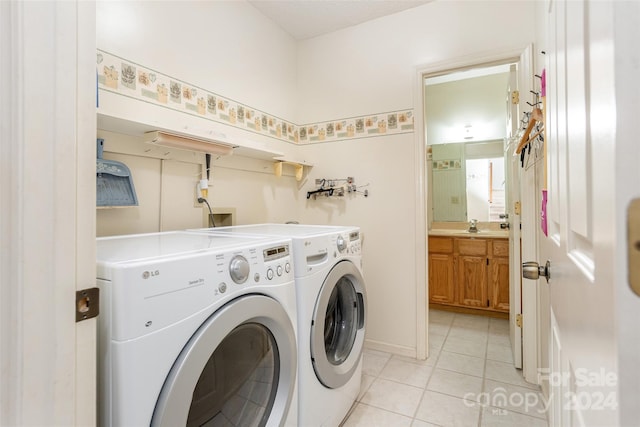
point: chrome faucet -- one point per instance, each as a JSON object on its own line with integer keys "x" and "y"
{"x": 473, "y": 226}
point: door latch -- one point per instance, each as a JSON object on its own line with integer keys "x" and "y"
{"x": 87, "y": 304}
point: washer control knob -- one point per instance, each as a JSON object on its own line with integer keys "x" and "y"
{"x": 342, "y": 244}
{"x": 279, "y": 270}
{"x": 239, "y": 269}
{"x": 222, "y": 287}
{"x": 287, "y": 267}
{"x": 269, "y": 274}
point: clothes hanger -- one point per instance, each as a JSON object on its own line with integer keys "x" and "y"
{"x": 536, "y": 116}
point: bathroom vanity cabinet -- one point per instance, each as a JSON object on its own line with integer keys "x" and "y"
{"x": 469, "y": 272}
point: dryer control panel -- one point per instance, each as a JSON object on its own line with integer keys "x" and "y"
{"x": 277, "y": 261}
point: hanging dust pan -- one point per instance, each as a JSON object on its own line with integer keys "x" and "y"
{"x": 114, "y": 184}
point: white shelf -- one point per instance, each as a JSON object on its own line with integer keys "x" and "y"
{"x": 299, "y": 166}
{"x": 128, "y": 116}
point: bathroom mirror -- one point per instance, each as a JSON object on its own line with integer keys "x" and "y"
{"x": 467, "y": 181}
{"x": 465, "y": 126}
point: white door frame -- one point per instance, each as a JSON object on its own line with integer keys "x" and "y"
{"x": 47, "y": 225}
{"x": 422, "y": 289}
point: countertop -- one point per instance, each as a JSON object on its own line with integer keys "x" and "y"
{"x": 500, "y": 234}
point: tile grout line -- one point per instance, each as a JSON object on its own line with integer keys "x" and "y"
{"x": 484, "y": 373}
{"x": 435, "y": 363}
{"x": 362, "y": 393}
{"x": 450, "y": 325}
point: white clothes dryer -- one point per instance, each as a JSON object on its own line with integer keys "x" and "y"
{"x": 196, "y": 330}
{"x": 331, "y": 298}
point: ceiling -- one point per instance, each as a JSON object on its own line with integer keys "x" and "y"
{"x": 304, "y": 19}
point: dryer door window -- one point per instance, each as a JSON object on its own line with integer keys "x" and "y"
{"x": 340, "y": 322}
{"x": 337, "y": 332}
{"x": 239, "y": 368}
{"x": 239, "y": 382}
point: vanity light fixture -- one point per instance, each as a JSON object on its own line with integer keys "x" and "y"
{"x": 189, "y": 143}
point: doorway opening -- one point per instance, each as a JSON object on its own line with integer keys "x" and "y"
{"x": 473, "y": 136}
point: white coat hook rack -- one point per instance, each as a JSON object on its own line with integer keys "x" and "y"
{"x": 337, "y": 187}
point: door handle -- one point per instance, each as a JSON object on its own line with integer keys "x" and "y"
{"x": 531, "y": 270}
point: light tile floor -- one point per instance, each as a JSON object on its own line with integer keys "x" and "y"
{"x": 468, "y": 381}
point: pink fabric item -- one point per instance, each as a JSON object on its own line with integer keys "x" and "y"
{"x": 543, "y": 213}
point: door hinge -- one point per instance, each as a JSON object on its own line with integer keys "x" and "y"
{"x": 519, "y": 320}
{"x": 515, "y": 97}
{"x": 87, "y": 304}
{"x": 516, "y": 208}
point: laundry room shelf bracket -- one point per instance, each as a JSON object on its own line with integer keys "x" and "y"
{"x": 298, "y": 165}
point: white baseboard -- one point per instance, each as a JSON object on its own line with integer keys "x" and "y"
{"x": 390, "y": 348}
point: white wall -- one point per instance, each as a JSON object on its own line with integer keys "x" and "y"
{"x": 228, "y": 48}
{"x": 165, "y": 186}
{"x": 478, "y": 102}
{"x": 384, "y": 217}
{"x": 370, "y": 69}
{"x": 260, "y": 196}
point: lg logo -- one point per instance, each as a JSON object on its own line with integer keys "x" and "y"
{"x": 148, "y": 274}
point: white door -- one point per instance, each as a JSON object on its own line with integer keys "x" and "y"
{"x": 522, "y": 301}
{"x": 592, "y": 160}
{"x": 513, "y": 195}
{"x": 47, "y": 224}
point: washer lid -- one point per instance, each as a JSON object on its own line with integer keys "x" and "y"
{"x": 289, "y": 230}
{"x": 138, "y": 247}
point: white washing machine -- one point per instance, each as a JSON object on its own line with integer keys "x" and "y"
{"x": 331, "y": 316}
{"x": 196, "y": 329}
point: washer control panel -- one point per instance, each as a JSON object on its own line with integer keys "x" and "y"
{"x": 151, "y": 294}
{"x": 349, "y": 243}
{"x": 267, "y": 265}
{"x": 271, "y": 264}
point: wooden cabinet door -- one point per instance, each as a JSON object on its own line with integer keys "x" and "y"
{"x": 499, "y": 283}
{"x": 472, "y": 281}
{"x": 441, "y": 289}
